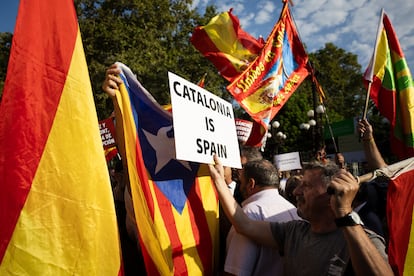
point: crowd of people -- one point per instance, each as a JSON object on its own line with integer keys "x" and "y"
{"x": 321, "y": 222}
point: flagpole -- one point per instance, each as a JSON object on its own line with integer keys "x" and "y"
{"x": 371, "y": 73}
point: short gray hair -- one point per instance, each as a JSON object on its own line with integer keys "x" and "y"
{"x": 263, "y": 172}
{"x": 328, "y": 168}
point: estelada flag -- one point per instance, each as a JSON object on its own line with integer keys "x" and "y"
{"x": 226, "y": 44}
{"x": 57, "y": 212}
{"x": 266, "y": 85}
{"x": 175, "y": 203}
{"x": 392, "y": 88}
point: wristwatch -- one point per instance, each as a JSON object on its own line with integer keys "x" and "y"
{"x": 350, "y": 219}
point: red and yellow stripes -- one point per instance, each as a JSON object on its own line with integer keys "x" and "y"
{"x": 400, "y": 219}
{"x": 226, "y": 44}
{"x": 57, "y": 214}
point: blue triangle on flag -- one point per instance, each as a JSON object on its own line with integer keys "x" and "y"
{"x": 174, "y": 192}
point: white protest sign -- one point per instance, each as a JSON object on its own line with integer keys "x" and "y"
{"x": 203, "y": 124}
{"x": 288, "y": 161}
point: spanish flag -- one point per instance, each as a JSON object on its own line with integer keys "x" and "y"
{"x": 392, "y": 88}
{"x": 57, "y": 214}
{"x": 226, "y": 44}
{"x": 175, "y": 203}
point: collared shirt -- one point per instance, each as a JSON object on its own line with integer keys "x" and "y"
{"x": 245, "y": 257}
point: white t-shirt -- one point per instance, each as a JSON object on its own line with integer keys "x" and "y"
{"x": 243, "y": 256}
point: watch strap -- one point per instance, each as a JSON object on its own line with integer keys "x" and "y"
{"x": 350, "y": 219}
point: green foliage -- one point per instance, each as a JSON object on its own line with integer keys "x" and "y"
{"x": 5, "y": 45}
{"x": 340, "y": 75}
{"x": 150, "y": 37}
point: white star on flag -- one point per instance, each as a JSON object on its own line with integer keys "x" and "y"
{"x": 164, "y": 147}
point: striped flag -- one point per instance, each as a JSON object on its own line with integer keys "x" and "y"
{"x": 266, "y": 85}
{"x": 57, "y": 212}
{"x": 400, "y": 215}
{"x": 226, "y": 44}
{"x": 392, "y": 88}
{"x": 175, "y": 203}
{"x": 400, "y": 204}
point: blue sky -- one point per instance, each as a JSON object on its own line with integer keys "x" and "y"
{"x": 349, "y": 24}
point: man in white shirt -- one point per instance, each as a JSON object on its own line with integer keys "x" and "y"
{"x": 259, "y": 186}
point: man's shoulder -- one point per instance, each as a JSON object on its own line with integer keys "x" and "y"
{"x": 292, "y": 226}
{"x": 267, "y": 196}
{"x": 269, "y": 205}
{"x": 269, "y": 199}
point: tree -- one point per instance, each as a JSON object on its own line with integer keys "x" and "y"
{"x": 5, "y": 45}
{"x": 149, "y": 36}
{"x": 340, "y": 74}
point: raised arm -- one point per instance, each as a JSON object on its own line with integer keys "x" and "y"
{"x": 111, "y": 86}
{"x": 259, "y": 231}
{"x": 365, "y": 256}
{"x": 372, "y": 154}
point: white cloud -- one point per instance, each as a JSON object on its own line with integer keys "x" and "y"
{"x": 263, "y": 17}
{"x": 199, "y": 3}
{"x": 265, "y": 12}
{"x": 246, "y": 21}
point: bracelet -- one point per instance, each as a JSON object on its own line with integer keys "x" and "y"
{"x": 368, "y": 139}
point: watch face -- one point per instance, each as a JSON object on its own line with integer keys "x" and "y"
{"x": 355, "y": 217}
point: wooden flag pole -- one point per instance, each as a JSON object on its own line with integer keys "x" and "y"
{"x": 372, "y": 66}
{"x": 364, "y": 114}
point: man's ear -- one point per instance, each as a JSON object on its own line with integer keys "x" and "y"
{"x": 251, "y": 184}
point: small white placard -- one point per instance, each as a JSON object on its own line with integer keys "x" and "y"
{"x": 203, "y": 124}
{"x": 243, "y": 128}
{"x": 288, "y": 161}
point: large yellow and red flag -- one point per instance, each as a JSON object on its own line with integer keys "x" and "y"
{"x": 57, "y": 214}
{"x": 175, "y": 203}
{"x": 392, "y": 88}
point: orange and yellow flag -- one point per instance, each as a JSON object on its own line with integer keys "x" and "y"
{"x": 57, "y": 212}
